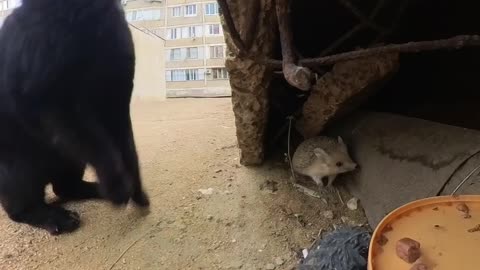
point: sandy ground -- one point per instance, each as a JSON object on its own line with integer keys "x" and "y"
{"x": 253, "y": 219}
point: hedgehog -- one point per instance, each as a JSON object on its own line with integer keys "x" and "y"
{"x": 322, "y": 159}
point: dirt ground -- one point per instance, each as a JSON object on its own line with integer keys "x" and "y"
{"x": 207, "y": 212}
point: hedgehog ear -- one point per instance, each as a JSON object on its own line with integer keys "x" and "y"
{"x": 320, "y": 154}
{"x": 340, "y": 140}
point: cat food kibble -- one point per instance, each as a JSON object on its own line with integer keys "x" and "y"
{"x": 408, "y": 250}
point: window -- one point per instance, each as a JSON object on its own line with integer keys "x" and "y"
{"x": 176, "y": 11}
{"x": 191, "y": 32}
{"x": 156, "y": 14}
{"x": 175, "y": 33}
{"x": 179, "y": 75}
{"x": 214, "y": 29}
{"x": 191, "y": 74}
{"x": 211, "y": 9}
{"x": 175, "y": 54}
{"x": 176, "y": 75}
{"x": 219, "y": 74}
{"x": 192, "y": 53}
{"x": 144, "y": 15}
{"x": 216, "y": 51}
{"x": 129, "y": 16}
{"x": 190, "y": 10}
{"x": 3, "y": 4}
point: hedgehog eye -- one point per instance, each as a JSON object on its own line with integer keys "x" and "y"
{"x": 339, "y": 164}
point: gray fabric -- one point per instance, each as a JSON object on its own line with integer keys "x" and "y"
{"x": 404, "y": 159}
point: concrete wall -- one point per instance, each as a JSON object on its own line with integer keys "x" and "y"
{"x": 149, "y": 80}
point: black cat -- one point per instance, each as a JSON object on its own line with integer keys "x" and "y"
{"x": 66, "y": 79}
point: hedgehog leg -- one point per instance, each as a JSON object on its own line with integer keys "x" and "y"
{"x": 331, "y": 178}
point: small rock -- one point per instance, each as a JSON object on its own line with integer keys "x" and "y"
{"x": 352, "y": 204}
{"x": 218, "y": 171}
{"x": 210, "y": 217}
{"x": 305, "y": 253}
{"x": 328, "y": 214}
{"x": 279, "y": 261}
{"x": 270, "y": 266}
{"x": 234, "y": 240}
{"x": 208, "y": 191}
{"x": 124, "y": 261}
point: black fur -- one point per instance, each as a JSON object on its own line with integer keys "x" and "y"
{"x": 66, "y": 78}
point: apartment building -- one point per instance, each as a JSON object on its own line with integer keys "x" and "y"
{"x": 194, "y": 48}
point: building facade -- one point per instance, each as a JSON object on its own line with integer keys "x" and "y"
{"x": 194, "y": 48}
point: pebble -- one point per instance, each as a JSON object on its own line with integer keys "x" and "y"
{"x": 208, "y": 191}
{"x": 328, "y": 214}
{"x": 279, "y": 261}
{"x": 210, "y": 217}
{"x": 270, "y": 266}
{"x": 124, "y": 261}
{"x": 305, "y": 253}
{"x": 352, "y": 204}
{"x": 218, "y": 171}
